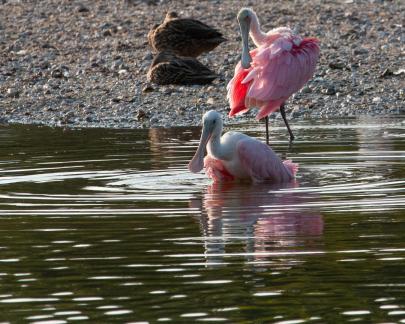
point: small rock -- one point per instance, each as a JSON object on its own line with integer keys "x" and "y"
{"x": 117, "y": 64}
{"x": 147, "y": 57}
{"x": 154, "y": 120}
{"x": 140, "y": 115}
{"x": 306, "y": 89}
{"x": 60, "y": 72}
{"x": 82, "y": 8}
{"x": 148, "y": 88}
{"x": 44, "y": 65}
{"x": 399, "y": 72}
{"x": 123, "y": 45}
{"x": 387, "y": 72}
{"x": 151, "y": 2}
{"x": 56, "y": 74}
{"x": 10, "y": 72}
{"x": 377, "y": 99}
{"x": 47, "y": 45}
{"x": 108, "y": 29}
{"x": 105, "y": 25}
{"x": 180, "y": 110}
{"x": 123, "y": 72}
{"x": 210, "y": 101}
{"x": 166, "y": 91}
{"x": 360, "y": 51}
{"x": 295, "y": 112}
{"x": 337, "y": 65}
{"x": 107, "y": 33}
{"x": 54, "y": 86}
{"x": 329, "y": 90}
{"x": 68, "y": 118}
{"x": 13, "y": 93}
{"x": 46, "y": 89}
{"x": 22, "y": 52}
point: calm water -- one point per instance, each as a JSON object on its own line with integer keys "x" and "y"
{"x": 109, "y": 226}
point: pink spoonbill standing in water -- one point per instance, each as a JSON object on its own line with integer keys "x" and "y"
{"x": 236, "y": 156}
{"x": 268, "y": 75}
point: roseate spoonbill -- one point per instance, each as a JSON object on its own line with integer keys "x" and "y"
{"x": 236, "y": 156}
{"x": 267, "y": 76}
{"x": 168, "y": 68}
{"x": 184, "y": 36}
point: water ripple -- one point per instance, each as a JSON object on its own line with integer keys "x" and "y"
{"x": 109, "y": 225}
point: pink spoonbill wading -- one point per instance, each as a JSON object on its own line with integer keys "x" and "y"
{"x": 236, "y": 156}
{"x": 268, "y": 75}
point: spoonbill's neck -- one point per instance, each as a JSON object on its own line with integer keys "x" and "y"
{"x": 258, "y": 36}
{"x": 215, "y": 148}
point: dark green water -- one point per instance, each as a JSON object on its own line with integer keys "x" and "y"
{"x": 109, "y": 226}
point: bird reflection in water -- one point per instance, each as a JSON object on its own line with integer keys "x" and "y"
{"x": 263, "y": 218}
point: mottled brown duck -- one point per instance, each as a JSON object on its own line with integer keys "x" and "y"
{"x": 169, "y": 68}
{"x": 183, "y": 36}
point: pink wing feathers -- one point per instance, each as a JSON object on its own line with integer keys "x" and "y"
{"x": 278, "y": 70}
{"x": 237, "y": 90}
{"x": 261, "y": 163}
{"x": 215, "y": 170}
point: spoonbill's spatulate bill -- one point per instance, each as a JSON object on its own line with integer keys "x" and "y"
{"x": 268, "y": 75}
{"x": 236, "y": 156}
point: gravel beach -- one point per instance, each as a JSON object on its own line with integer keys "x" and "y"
{"x": 84, "y": 63}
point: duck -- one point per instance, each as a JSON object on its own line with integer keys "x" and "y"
{"x": 184, "y": 36}
{"x": 169, "y": 68}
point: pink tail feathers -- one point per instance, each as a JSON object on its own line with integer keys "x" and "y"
{"x": 292, "y": 167}
{"x": 237, "y": 92}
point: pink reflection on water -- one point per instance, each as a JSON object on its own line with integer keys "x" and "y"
{"x": 263, "y": 218}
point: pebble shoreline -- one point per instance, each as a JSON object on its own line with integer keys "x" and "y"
{"x": 84, "y": 63}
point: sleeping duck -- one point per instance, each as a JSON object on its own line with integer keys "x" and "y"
{"x": 169, "y": 68}
{"x": 183, "y": 36}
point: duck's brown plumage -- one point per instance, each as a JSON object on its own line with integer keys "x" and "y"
{"x": 184, "y": 36}
{"x": 168, "y": 68}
